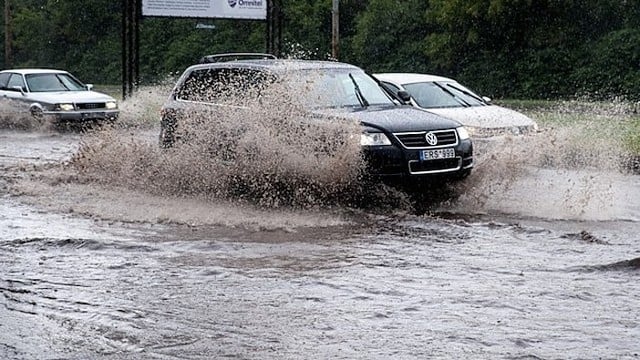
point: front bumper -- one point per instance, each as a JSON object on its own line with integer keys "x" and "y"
{"x": 80, "y": 116}
{"x": 393, "y": 162}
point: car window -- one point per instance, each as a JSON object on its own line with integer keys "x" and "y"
{"x": 53, "y": 82}
{"x": 315, "y": 88}
{"x": 431, "y": 95}
{"x": 442, "y": 95}
{"x": 465, "y": 94}
{"x": 337, "y": 88}
{"x": 223, "y": 85}
{"x": 71, "y": 83}
{"x": 15, "y": 80}
{"x": 4, "y": 79}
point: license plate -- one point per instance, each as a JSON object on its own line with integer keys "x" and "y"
{"x": 436, "y": 154}
{"x": 92, "y": 115}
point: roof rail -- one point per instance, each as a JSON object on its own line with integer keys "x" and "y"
{"x": 234, "y": 56}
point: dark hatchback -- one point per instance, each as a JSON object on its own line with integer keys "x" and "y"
{"x": 398, "y": 142}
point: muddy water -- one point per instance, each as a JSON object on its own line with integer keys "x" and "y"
{"x": 541, "y": 262}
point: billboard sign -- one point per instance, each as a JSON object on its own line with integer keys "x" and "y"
{"x": 227, "y": 9}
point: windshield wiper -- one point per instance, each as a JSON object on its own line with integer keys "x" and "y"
{"x": 361, "y": 99}
{"x": 462, "y": 102}
{"x": 469, "y": 94}
{"x": 62, "y": 83}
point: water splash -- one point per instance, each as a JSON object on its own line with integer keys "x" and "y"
{"x": 16, "y": 115}
{"x": 271, "y": 155}
{"x": 576, "y": 167}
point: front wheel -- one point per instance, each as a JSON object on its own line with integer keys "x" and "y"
{"x": 36, "y": 113}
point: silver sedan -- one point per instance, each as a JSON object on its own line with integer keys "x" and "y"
{"x": 446, "y": 97}
{"x": 56, "y": 94}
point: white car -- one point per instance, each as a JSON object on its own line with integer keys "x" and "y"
{"x": 448, "y": 98}
{"x": 56, "y": 94}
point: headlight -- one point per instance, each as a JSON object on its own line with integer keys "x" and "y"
{"x": 374, "y": 139}
{"x": 112, "y": 105}
{"x": 463, "y": 134}
{"x": 516, "y": 131}
{"x": 65, "y": 107}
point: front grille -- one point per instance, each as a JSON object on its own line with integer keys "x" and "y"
{"x": 91, "y": 106}
{"x": 418, "y": 139}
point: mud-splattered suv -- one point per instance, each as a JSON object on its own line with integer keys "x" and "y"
{"x": 398, "y": 142}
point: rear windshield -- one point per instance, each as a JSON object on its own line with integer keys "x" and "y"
{"x": 222, "y": 85}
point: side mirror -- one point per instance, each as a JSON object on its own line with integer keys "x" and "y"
{"x": 404, "y": 96}
{"x": 89, "y": 86}
{"x": 486, "y": 99}
{"x": 17, "y": 88}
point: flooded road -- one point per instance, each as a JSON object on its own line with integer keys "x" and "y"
{"x": 544, "y": 267}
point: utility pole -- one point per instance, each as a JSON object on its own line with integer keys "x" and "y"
{"x": 335, "y": 29}
{"x": 274, "y": 27}
{"x": 131, "y": 15}
{"x": 8, "y": 55}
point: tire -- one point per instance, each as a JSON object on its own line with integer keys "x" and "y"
{"x": 167, "y": 137}
{"x": 36, "y": 113}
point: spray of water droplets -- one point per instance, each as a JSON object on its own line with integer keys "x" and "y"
{"x": 267, "y": 151}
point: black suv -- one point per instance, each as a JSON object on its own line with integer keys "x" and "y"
{"x": 398, "y": 142}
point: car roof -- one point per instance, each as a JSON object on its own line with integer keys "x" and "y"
{"x": 409, "y": 78}
{"x": 277, "y": 65}
{"x": 34, "y": 71}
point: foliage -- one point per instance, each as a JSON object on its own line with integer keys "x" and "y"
{"x": 523, "y": 48}
{"x": 168, "y": 46}
{"x": 61, "y": 34}
{"x": 389, "y": 36}
{"x": 543, "y": 49}
{"x": 611, "y": 65}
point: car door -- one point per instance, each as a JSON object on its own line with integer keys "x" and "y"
{"x": 11, "y": 90}
{"x": 4, "y": 79}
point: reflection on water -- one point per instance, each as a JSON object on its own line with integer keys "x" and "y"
{"x": 409, "y": 288}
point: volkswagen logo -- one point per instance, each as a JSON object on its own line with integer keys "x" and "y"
{"x": 431, "y": 139}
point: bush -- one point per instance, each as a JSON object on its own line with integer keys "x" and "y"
{"x": 610, "y": 66}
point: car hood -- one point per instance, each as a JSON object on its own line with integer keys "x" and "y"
{"x": 69, "y": 96}
{"x": 393, "y": 118}
{"x": 491, "y": 117}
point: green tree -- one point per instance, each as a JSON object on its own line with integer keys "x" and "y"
{"x": 390, "y": 36}
{"x": 61, "y": 34}
{"x": 307, "y": 29}
{"x": 502, "y": 48}
{"x": 169, "y": 45}
{"x": 519, "y": 48}
{"x": 611, "y": 65}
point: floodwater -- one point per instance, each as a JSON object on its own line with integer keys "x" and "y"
{"x": 538, "y": 263}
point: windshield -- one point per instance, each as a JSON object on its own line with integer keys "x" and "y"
{"x": 53, "y": 82}
{"x": 442, "y": 95}
{"x": 337, "y": 88}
